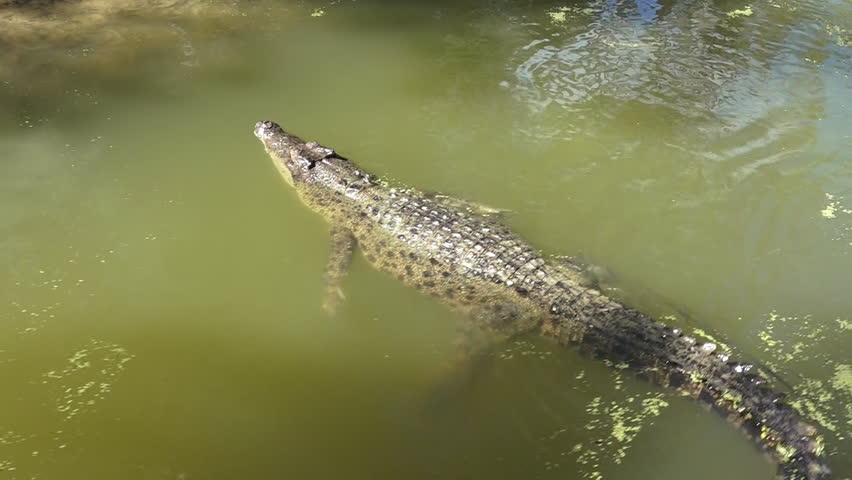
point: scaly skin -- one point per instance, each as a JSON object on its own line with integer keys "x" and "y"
{"x": 475, "y": 264}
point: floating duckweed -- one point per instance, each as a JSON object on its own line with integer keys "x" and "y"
{"x": 785, "y": 452}
{"x": 695, "y": 377}
{"x": 621, "y": 431}
{"x": 653, "y": 406}
{"x": 560, "y": 15}
{"x": 594, "y": 407}
{"x": 734, "y": 398}
{"x": 617, "y": 424}
{"x": 701, "y": 333}
{"x": 843, "y": 378}
{"x": 523, "y": 348}
{"x": 318, "y": 12}
{"x": 618, "y": 382}
{"x": 719, "y": 344}
{"x": 744, "y": 12}
{"x": 826, "y": 401}
{"x": 87, "y": 377}
{"x": 557, "y": 17}
{"x": 819, "y": 448}
{"x": 815, "y": 401}
{"x": 766, "y": 338}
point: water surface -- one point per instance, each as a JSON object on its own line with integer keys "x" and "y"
{"x": 160, "y": 285}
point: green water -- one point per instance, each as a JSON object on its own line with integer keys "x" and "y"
{"x": 160, "y": 286}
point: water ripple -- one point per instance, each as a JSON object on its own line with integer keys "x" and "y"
{"x": 744, "y": 83}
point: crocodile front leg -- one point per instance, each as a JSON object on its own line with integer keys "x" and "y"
{"x": 339, "y": 258}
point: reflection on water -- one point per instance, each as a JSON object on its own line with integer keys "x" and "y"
{"x": 752, "y": 106}
{"x": 159, "y": 288}
{"x": 95, "y": 32}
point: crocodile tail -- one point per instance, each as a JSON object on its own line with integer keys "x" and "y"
{"x": 695, "y": 368}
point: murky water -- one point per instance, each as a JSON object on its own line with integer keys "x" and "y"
{"x": 160, "y": 286}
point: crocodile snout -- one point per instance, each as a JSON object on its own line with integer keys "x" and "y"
{"x": 260, "y": 128}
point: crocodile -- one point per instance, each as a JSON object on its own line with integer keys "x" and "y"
{"x": 465, "y": 256}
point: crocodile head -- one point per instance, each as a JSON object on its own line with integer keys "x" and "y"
{"x": 305, "y": 165}
{"x": 289, "y": 152}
